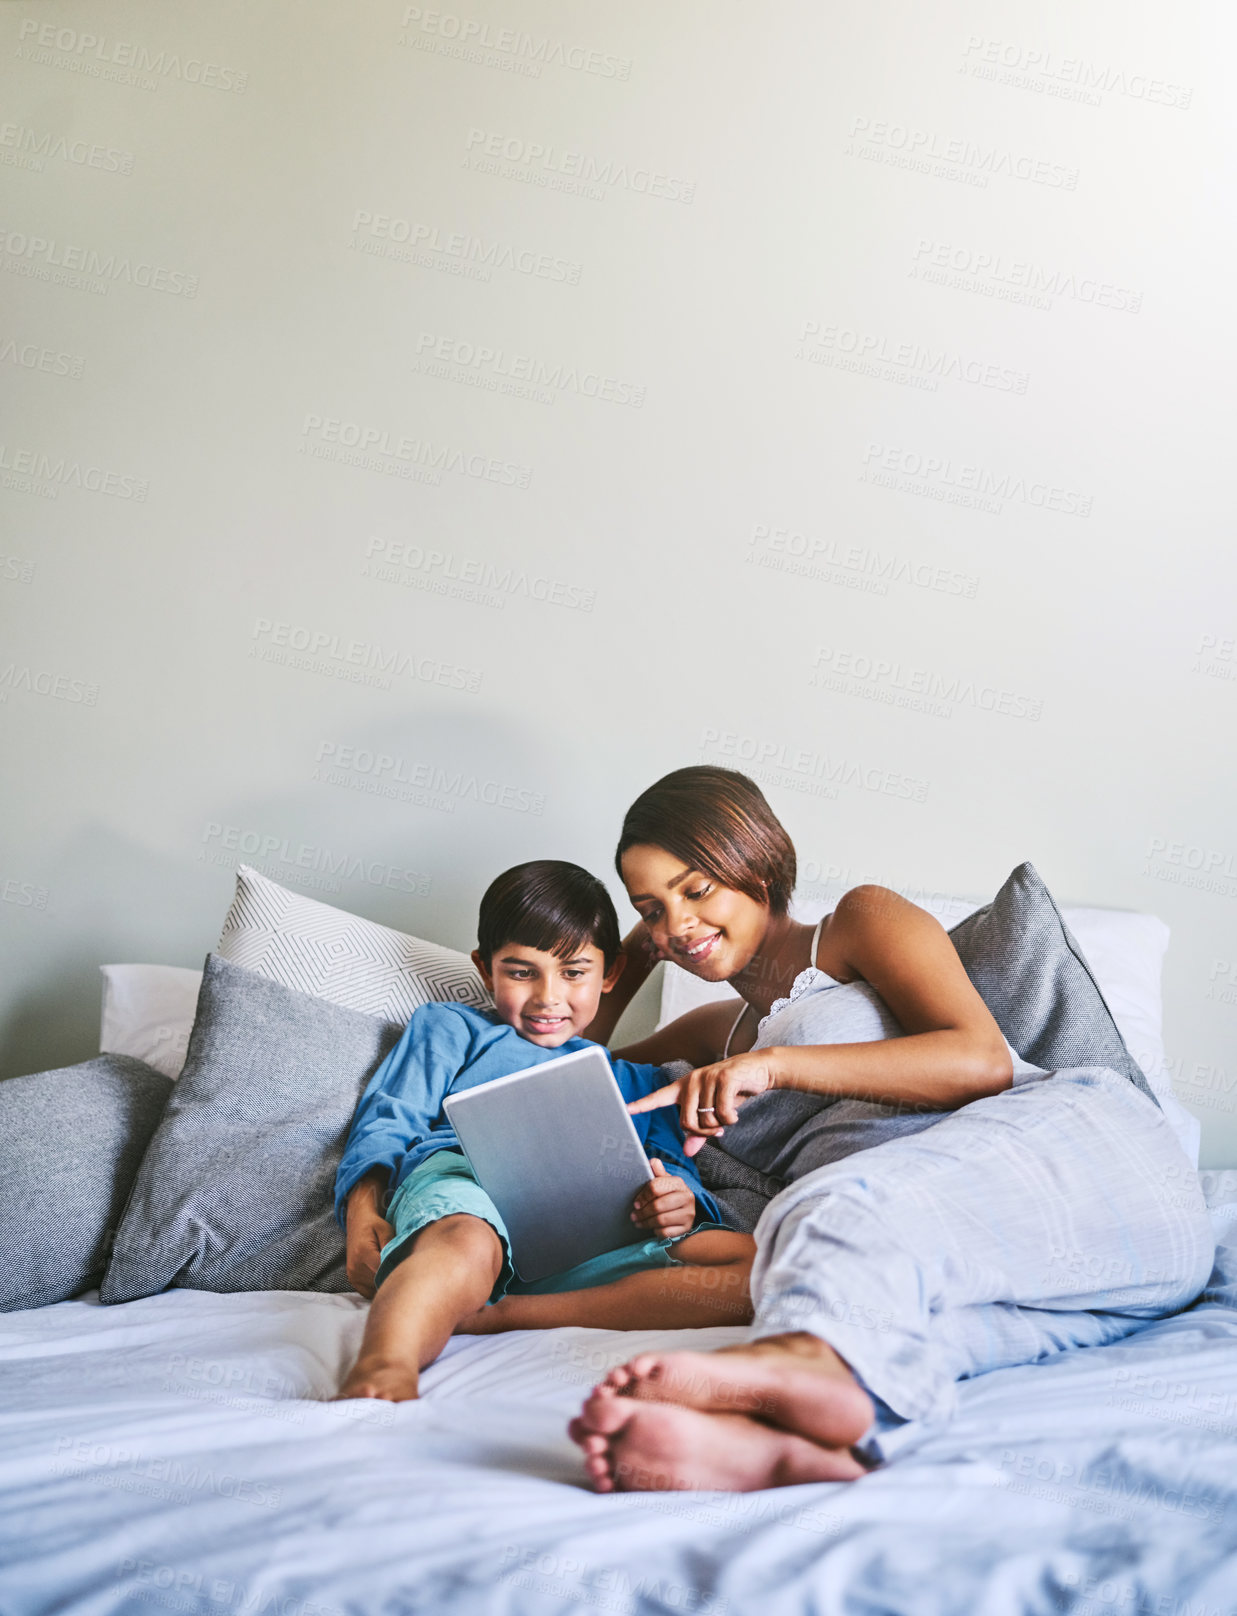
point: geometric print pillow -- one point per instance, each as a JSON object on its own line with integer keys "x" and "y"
{"x": 342, "y": 958}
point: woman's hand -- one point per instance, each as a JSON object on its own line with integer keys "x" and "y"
{"x": 709, "y": 1098}
{"x": 666, "y": 1206}
{"x": 640, "y": 955}
{"x": 367, "y": 1232}
{"x": 639, "y": 945}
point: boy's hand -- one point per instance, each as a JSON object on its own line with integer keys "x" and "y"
{"x": 666, "y": 1205}
{"x": 366, "y": 1231}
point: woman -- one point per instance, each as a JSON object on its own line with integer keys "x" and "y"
{"x": 948, "y": 1206}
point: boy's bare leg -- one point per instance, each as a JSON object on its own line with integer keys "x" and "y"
{"x": 711, "y": 1288}
{"x": 447, "y": 1275}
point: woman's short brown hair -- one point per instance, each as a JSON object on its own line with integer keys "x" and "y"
{"x": 718, "y": 822}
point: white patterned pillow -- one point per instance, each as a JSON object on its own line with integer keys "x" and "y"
{"x": 340, "y": 957}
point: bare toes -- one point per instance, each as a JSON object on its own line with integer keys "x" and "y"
{"x": 604, "y": 1413}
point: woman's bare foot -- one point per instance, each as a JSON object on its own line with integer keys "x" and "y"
{"x": 795, "y": 1381}
{"x": 653, "y": 1447}
{"x": 396, "y": 1382}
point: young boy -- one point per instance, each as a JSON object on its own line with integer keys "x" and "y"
{"x": 422, "y": 1232}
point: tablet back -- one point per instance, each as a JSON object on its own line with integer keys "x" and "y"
{"x": 558, "y": 1154}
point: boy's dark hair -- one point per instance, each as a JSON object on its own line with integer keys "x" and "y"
{"x": 551, "y": 905}
{"x": 716, "y": 820}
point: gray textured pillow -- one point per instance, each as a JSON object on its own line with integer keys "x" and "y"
{"x": 1032, "y": 975}
{"x": 236, "y": 1190}
{"x": 741, "y": 1191}
{"x": 71, "y": 1142}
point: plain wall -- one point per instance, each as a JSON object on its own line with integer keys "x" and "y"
{"x": 423, "y": 428}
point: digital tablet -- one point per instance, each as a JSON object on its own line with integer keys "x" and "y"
{"x": 557, "y": 1152}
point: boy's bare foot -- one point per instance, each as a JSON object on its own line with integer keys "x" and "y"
{"x": 794, "y": 1381}
{"x": 378, "y": 1377}
{"x": 634, "y": 1446}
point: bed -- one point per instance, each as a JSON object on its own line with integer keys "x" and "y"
{"x": 177, "y": 1453}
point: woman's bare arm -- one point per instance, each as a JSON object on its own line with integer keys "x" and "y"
{"x": 953, "y": 1051}
{"x": 642, "y": 957}
{"x": 698, "y": 1036}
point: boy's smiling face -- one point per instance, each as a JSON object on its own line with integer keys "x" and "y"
{"x": 547, "y": 999}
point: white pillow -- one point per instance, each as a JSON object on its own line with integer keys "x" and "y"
{"x": 343, "y": 958}
{"x": 1124, "y": 949}
{"x": 148, "y": 1012}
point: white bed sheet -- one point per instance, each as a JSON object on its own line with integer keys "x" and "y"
{"x": 172, "y": 1455}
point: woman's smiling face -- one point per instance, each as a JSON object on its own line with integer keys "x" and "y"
{"x": 710, "y": 930}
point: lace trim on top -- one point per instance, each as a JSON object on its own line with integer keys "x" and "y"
{"x": 803, "y": 983}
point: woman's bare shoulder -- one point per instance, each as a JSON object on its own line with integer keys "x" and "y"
{"x": 698, "y": 1036}
{"x": 870, "y": 917}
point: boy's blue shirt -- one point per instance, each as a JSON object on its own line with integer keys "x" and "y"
{"x": 446, "y": 1048}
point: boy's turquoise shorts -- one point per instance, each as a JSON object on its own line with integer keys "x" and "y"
{"x": 445, "y": 1184}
